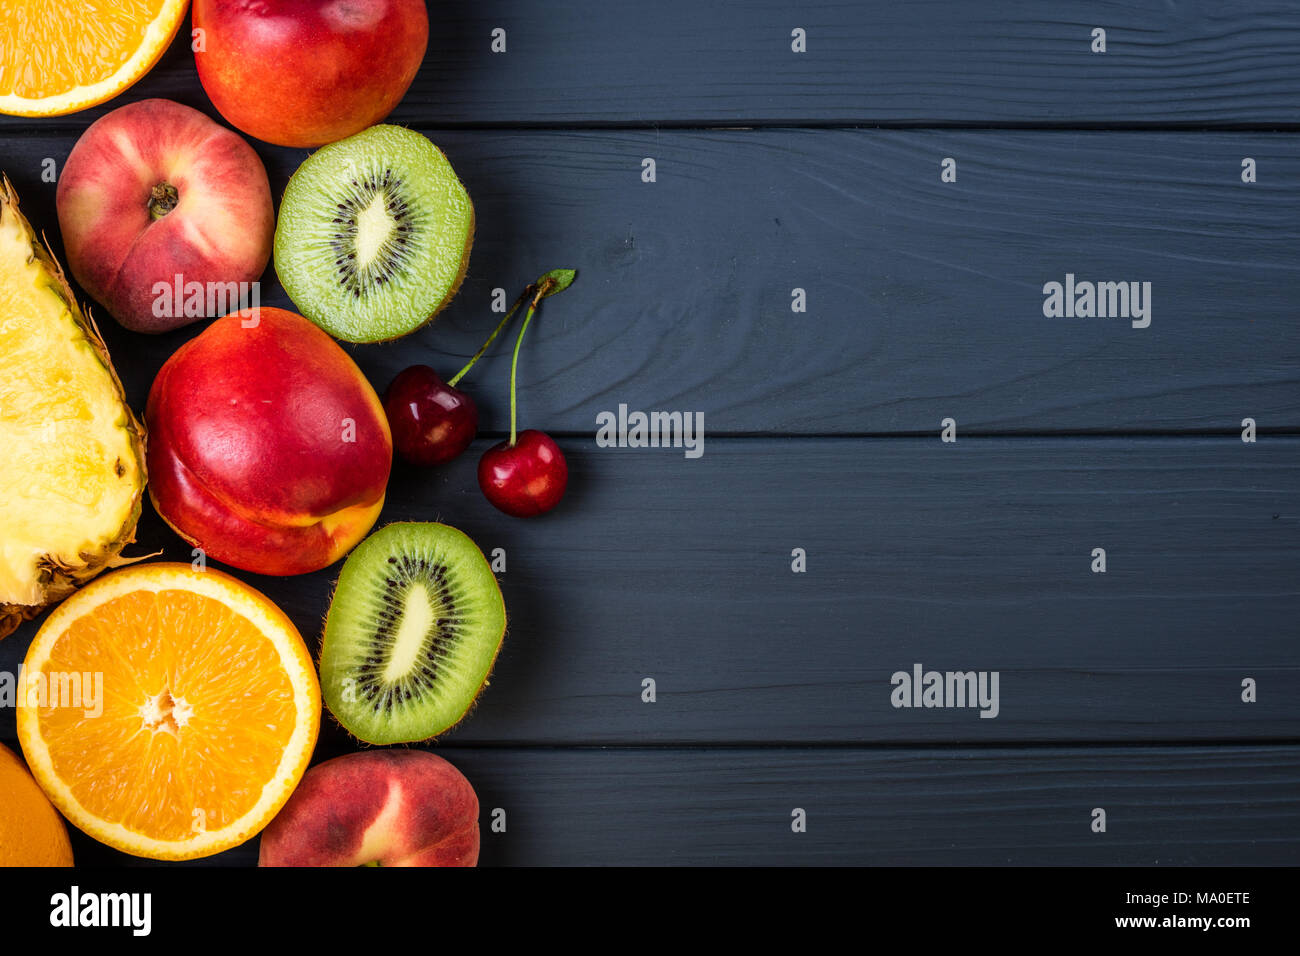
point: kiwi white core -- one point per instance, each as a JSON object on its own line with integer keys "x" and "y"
{"x": 374, "y": 228}
{"x": 417, "y": 619}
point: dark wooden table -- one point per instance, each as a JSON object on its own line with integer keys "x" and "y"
{"x": 821, "y": 171}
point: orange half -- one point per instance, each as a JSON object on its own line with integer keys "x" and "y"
{"x": 168, "y": 712}
{"x": 60, "y": 56}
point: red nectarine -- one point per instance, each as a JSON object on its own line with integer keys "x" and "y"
{"x": 267, "y": 447}
{"x": 307, "y": 72}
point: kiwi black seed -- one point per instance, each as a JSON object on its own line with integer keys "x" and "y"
{"x": 413, "y": 629}
{"x": 374, "y": 234}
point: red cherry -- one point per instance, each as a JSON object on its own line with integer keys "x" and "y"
{"x": 431, "y": 421}
{"x": 524, "y": 479}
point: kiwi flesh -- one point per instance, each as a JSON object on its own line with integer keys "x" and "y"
{"x": 374, "y": 234}
{"x": 413, "y": 630}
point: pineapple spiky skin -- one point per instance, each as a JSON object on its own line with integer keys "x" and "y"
{"x": 58, "y": 572}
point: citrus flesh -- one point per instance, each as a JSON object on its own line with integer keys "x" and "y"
{"x": 61, "y": 56}
{"x": 198, "y": 713}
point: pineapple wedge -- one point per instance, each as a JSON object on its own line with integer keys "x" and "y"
{"x": 74, "y": 475}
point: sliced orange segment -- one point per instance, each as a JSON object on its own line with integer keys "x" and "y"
{"x": 60, "y": 56}
{"x": 168, "y": 712}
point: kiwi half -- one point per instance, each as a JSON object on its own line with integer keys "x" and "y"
{"x": 373, "y": 236}
{"x": 413, "y": 629}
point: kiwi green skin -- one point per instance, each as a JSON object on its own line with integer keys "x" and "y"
{"x": 397, "y": 738}
{"x": 446, "y": 301}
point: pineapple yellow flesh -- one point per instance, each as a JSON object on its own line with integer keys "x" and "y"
{"x": 70, "y": 487}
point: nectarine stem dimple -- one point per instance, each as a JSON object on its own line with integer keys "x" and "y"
{"x": 162, "y": 200}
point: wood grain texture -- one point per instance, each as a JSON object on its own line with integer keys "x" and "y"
{"x": 924, "y": 299}
{"x": 924, "y": 62}
{"x": 1167, "y": 806}
{"x": 970, "y": 556}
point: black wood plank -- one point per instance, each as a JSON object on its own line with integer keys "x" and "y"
{"x": 924, "y": 299}
{"x": 1174, "y": 806}
{"x": 924, "y": 62}
{"x": 974, "y": 556}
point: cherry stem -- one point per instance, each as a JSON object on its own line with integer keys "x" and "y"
{"x": 495, "y": 332}
{"x": 539, "y": 292}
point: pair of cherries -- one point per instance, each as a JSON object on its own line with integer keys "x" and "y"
{"x": 432, "y": 422}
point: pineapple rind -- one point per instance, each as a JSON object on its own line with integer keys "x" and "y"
{"x": 57, "y": 574}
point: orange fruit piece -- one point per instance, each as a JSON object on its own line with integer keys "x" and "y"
{"x": 168, "y": 712}
{"x": 31, "y": 831}
{"x": 60, "y": 56}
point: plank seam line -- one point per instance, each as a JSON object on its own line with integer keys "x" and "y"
{"x": 1028, "y": 745}
{"x": 741, "y": 125}
{"x": 932, "y": 435}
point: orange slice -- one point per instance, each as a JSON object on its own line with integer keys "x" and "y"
{"x": 168, "y": 712}
{"x": 60, "y": 56}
